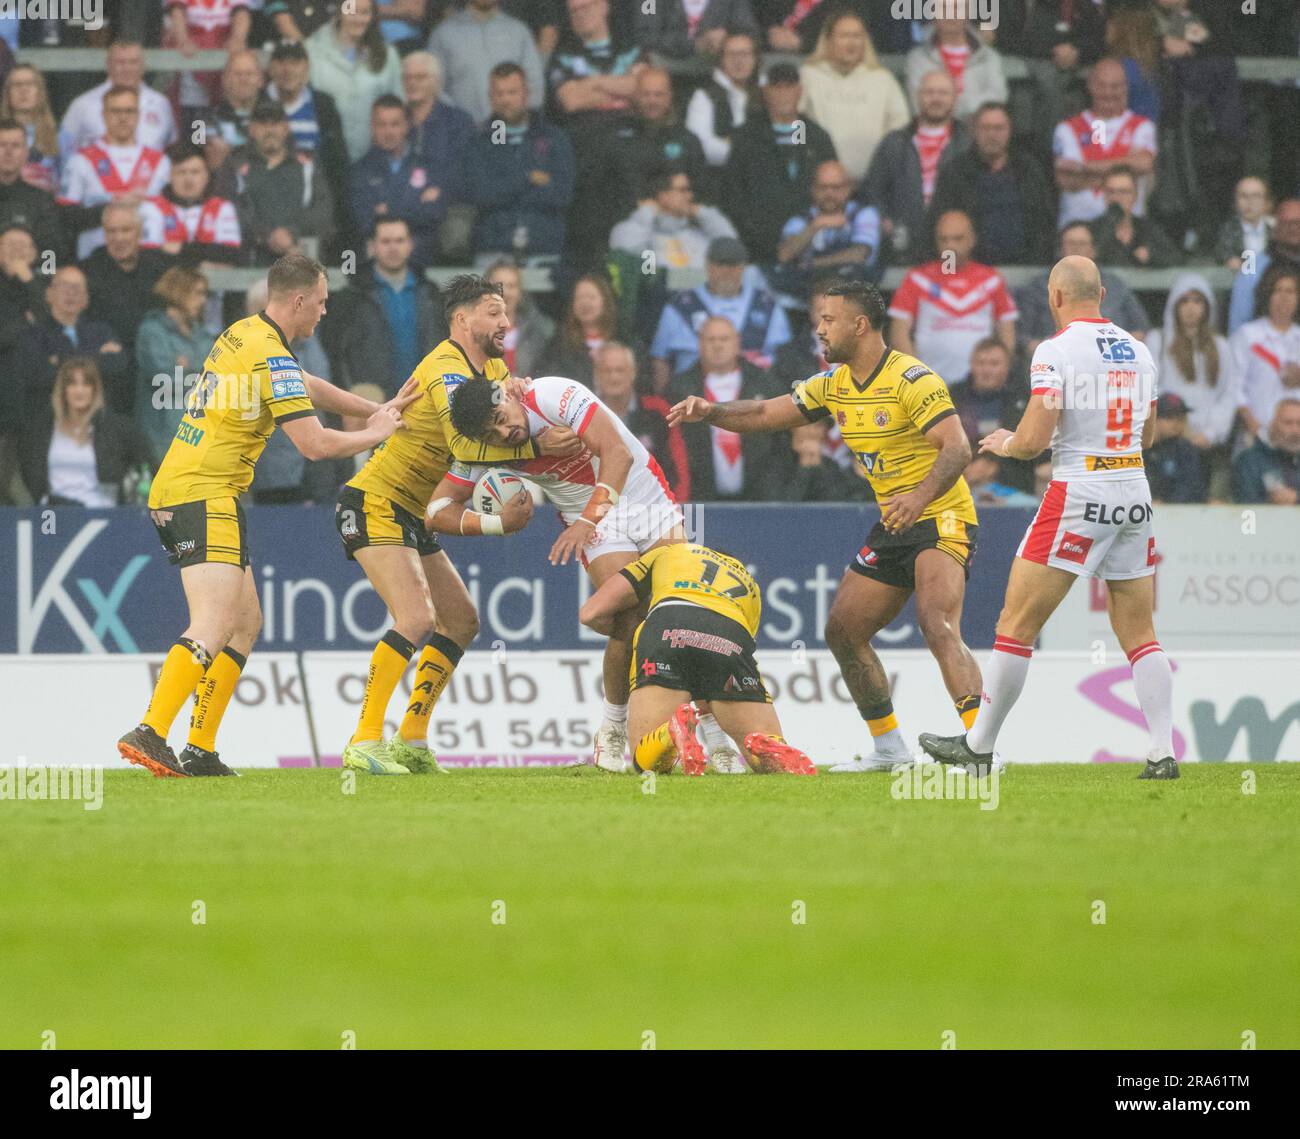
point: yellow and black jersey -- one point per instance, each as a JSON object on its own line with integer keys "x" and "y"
{"x": 883, "y": 421}
{"x": 698, "y": 574}
{"x": 410, "y": 463}
{"x": 250, "y": 382}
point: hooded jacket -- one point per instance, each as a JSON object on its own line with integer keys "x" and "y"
{"x": 1211, "y": 408}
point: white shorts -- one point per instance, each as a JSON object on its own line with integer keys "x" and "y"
{"x": 1094, "y": 529}
{"x": 645, "y": 514}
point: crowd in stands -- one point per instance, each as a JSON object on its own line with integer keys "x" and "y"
{"x": 692, "y": 174}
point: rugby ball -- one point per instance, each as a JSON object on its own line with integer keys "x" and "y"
{"x": 497, "y": 487}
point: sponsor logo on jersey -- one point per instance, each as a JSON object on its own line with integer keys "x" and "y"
{"x": 916, "y": 371}
{"x": 882, "y": 418}
{"x": 286, "y": 377}
{"x": 1112, "y": 462}
{"x": 1073, "y": 548}
{"x": 451, "y": 381}
{"x": 866, "y": 556}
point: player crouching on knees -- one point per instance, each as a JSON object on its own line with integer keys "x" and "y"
{"x": 612, "y": 498}
{"x": 696, "y": 642}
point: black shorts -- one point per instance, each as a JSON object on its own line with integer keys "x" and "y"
{"x": 364, "y": 519}
{"x": 890, "y": 558}
{"x": 697, "y": 651}
{"x": 211, "y": 530}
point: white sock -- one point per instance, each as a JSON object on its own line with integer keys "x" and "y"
{"x": 1154, "y": 680}
{"x": 615, "y": 713}
{"x": 712, "y": 733}
{"x": 1004, "y": 679}
{"x": 890, "y": 743}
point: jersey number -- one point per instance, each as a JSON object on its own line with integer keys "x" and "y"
{"x": 737, "y": 591}
{"x": 201, "y": 395}
{"x": 1119, "y": 422}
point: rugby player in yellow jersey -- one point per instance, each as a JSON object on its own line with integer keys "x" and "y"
{"x": 251, "y": 384}
{"x": 696, "y": 643}
{"x": 380, "y": 517}
{"x": 898, "y": 419}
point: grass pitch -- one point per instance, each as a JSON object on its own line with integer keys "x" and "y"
{"x": 627, "y": 913}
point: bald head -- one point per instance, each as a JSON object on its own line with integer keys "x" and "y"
{"x": 1077, "y": 279}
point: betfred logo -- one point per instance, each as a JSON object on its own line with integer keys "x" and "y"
{"x": 1073, "y": 548}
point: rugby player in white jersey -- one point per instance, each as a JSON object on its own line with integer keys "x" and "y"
{"x": 1093, "y": 391}
{"x": 612, "y": 497}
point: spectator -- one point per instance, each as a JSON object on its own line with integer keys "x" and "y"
{"x": 389, "y": 316}
{"x": 814, "y": 475}
{"x": 296, "y": 20}
{"x": 389, "y": 182}
{"x": 186, "y": 219}
{"x": 520, "y": 173}
{"x": 402, "y": 22}
{"x": 353, "y": 65}
{"x": 283, "y": 196}
{"x": 313, "y": 118}
{"x": 530, "y": 329}
{"x": 727, "y": 100}
{"x": 1284, "y": 248}
{"x": 796, "y": 25}
{"x": 1003, "y": 190}
{"x": 62, "y": 332}
{"x": 984, "y": 478}
{"x": 591, "y": 79}
{"x": 650, "y": 139}
{"x": 1090, "y": 144}
{"x": 1121, "y": 237}
{"x": 200, "y": 25}
{"x": 1133, "y": 37}
{"x": 78, "y": 452}
{"x": 848, "y": 92}
{"x": 729, "y": 291}
{"x": 543, "y": 17}
{"x": 1118, "y": 304}
{"x": 227, "y": 123}
{"x": 1251, "y": 226}
{"x": 26, "y": 102}
{"x": 440, "y": 133}
{"x": 83, "y": 122}
{"x": 1195, "y": 364}
{"x": 836, "y": 238}
{"x": 944, "y": 308}
{"x": 1174, "y": 465}
{"x": 471, "y": 42}
{"x": 590, "y": 321}
{"x": 1270, "y": 472}
{"x": 116, "y": 168}
{"x": 22, "y": 297}
{"x": 680, "y": 29}
{"x": 672, "y": 225}
{"x": 985, "y": 398}
{"x": 21, "y": 203}
{"x": 905, "y": 170}
{"x": 171, "y": 347}
{"x": 1266, "y": 350}
{"x": 976, "y": 68}
{"x": 646, "y": 416}
{"x": 779, "y": 151}
{"x": 725, "y": 466}
{"x": 283, "y": 475}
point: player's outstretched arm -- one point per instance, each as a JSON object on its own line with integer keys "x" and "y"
{"x": 1031, "y": 436}
{"x": 325, "y": 396}
{"x": 600, "y": 609}
{"x": 315, "y": 441}
{"x": 447, "y": 513}
{"x": 777, "y": 414}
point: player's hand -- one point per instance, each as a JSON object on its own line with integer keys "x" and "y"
{"x": 994, "y": 441}
{"x": 516, "y": 386}
{"x": 406, "y": 395}
{"x": 384, "y": 421}
{"x": 559, "y": 441}
{"x": 568, "y": 544}
{"x": 693, "y": 409}
{"x": 516, "y": 513}
{"x": 900, "y": 514}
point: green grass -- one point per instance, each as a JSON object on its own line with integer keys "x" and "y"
{"x": 669, "y": 913}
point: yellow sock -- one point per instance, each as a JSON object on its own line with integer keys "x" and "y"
{"x": 880, "y": 725}
{"x": 438, "y": 659}
{"x": 387, "y": 663}
{"x": 968, "y": 707}
{"x": 212, "y": 696}
{"x": 186, "y": 661}
{"x": 654, "y": 748}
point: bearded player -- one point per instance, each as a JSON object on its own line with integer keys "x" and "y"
{"x": 612, "y": 497}
{"x": 897, "y": 417}
{"x": 1093, "y": 390}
